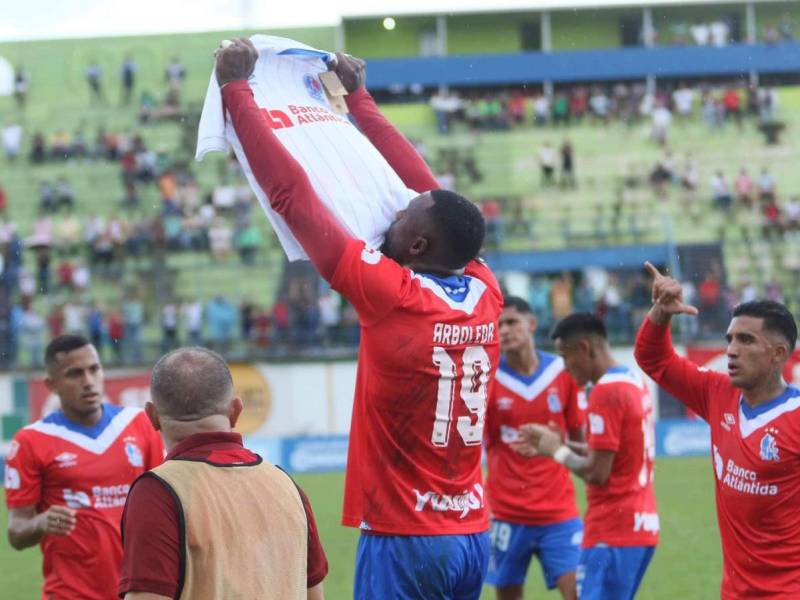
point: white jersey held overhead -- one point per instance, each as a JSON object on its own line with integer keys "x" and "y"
{"x": 347, "y": 172}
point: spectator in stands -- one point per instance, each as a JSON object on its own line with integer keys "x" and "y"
{"x": 683, "y": 100}
{"x": 74, "y": 317}
{"x": 561, "y": 296}
{"x": 280, "y": 320}
{"x": 731, "y": 100}
{"x": 721, "y": 192}
{"x": 791, "y": 211}
{"x": 31, "y": 334}
{"x": 42, "y": 267}
{"x": 772, "y": 227}
{"x": 567, "y": 165}
{"x": 744, "y": 189}
{"x": 22, "y": 81}
{"x": 492, "y": 215}
{"x": 12, "y": 140}
{"x": 710, "y": 296}
{"x": 3, "y": 203}
{"x": 38, "y": 150}
{"x": 578, "y": 103}
{"x": 249, "y": 241}
{"x": 193, "y": 320}
{"x": 55, "y": 320}
{"x": 95, "y": 321}
{"x": 64, "y": 196}
{"x": 561, "y": 109}
{"x": 516, "y": 108}
{"x": 116, "y": 334}
{"x": 547, "y": 164}
{"x": 329, "y": 306}
{"x": 221, "y": 319}
{"x": 64, "y": 274}
{"x": 220, "y": 236}
{"x": 175, "y": 72}
{"x": 133, "y": 321}
{"x": 599, "y": 105}
{"x": 766, "y": 186}
{"x": 247, "y": 316}
{"x": 127, "y": 76}
{"x": 94, "y": 78}
{"x": 661, "y": 118}
{"x": 169, "y": 327}
{"x": 541, "y": 110}
{"x": 67, "y": 232}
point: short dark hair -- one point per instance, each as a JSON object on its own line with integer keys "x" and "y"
{"x": 579, "y": 324}
{"x": 461, "y": 224}
{"x": 63, "y": 343}
{"x": 516, "y": 302}
{"x": 776, "y": 316}
{"x": 191, "y": 383}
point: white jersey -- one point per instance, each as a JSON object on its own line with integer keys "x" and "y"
{"x": 347, "y": 172}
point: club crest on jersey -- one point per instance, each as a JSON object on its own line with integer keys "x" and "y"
{"x": 553, "y": 401}
{"x": 768, "y": 449}
{"x": 729, "y": 421}
{"x": 313, "y": 86}
{"x": 134, "y": 454}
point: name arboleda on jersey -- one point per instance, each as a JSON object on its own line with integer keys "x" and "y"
{"x": 454, "y": 335}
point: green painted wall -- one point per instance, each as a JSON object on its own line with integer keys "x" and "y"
{"x": 588, "y": 29}
{"x": 368, "y": 38}
{"x": 771, "y": 12}
{"x": 474, "y": 34}
{"x": 57, "y": 66}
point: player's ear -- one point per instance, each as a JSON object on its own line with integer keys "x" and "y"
{"x": 533, "y": 323}
{"x": 419, "y": 246}
{"x": 235, "y": 411}
{"x": 152, "y": 414}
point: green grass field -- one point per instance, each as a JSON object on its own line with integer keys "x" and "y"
{"x": 687, "y": 564}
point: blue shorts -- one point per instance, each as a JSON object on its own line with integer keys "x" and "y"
{"x": 612, "y": 573}
{"x": 557, "y": 546}
{"x": 421, "y": 567}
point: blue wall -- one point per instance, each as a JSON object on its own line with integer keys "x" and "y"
{"x": 586, "y": 65}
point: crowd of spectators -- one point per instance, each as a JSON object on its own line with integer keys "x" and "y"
{"x": 621, "y": 102}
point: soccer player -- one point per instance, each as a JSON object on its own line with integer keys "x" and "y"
{"x": 532, "y": 499}
{"x": 68, "y": 474}
{"x": 428, "y": 311}
{"x": 755, "y": 435}
{"x": 621, "y": 523}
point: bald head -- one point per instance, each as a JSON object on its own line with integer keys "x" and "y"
{"x": 190, "y": 384}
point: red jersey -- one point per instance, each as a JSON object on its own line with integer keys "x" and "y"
{"x": 531, "y": 491}
{"x": 57, "y": 462}
{"x": 622, "y": 512}
{"x": 428, "y": 350}
{"x": 756, "y": 458}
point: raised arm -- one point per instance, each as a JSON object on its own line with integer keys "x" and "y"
{"x": 280, "y": 176}
{"x": 392, "y": 144}
{"x": 656, "y": 355}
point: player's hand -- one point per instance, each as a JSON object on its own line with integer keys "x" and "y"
{"x": 58, "y": 520}
{"x": 235, "y": 59}
{"x": 352, "y": 71}
{"x": 543, "y": 438}
{"x": 667, "y": 297}
{"x": 524, "y": 448}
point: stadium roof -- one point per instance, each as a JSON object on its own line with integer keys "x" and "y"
{"x": 411, "y": 8}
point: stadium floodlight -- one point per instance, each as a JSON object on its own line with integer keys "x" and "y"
{"x": 389, "y": 23}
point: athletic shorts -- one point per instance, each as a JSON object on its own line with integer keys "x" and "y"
{"x": 612, "y": 573}
{"x": 557, "y": 546}
{"x": 445, "y": 567}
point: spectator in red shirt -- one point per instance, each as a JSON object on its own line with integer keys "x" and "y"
{"x": 211, "y": 488}
{"x": 732, "y": 103}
